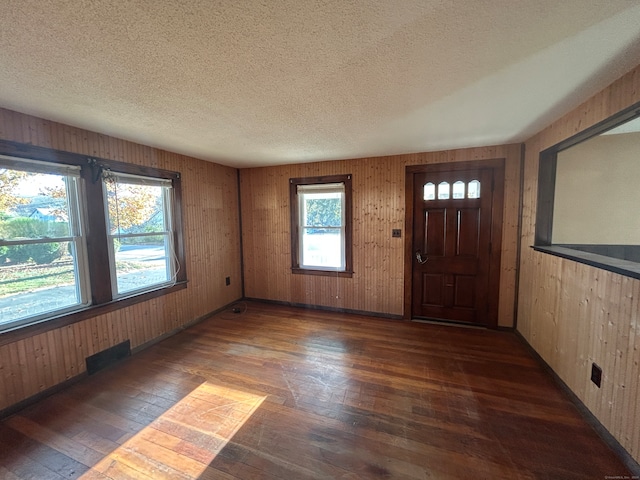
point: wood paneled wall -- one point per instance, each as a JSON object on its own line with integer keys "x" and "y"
{"x": 574, "y": 314}
{"x": 212, "y": 238}
{"x": 378, "y": 207}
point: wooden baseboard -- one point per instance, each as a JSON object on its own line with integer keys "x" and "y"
{"x": 325, "y": 308}
{"x": 16, "y": 407}
{"x": 593, "y": 421}
{"x": 171, "y": 333}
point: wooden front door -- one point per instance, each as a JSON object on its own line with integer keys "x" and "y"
{"x": 453, "y": 256}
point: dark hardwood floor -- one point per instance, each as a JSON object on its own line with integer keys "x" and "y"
{"x": 287, "y": 393}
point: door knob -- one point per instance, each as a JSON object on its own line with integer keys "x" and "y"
{"x": 421, "y": 261}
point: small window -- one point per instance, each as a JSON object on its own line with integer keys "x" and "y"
{"x": 429, "y": 191}
{"x": 140, "y": 232}
{"x": 474, "y": 189}
{"x": 458, "y": 189}
{"x": 443, "y": 191}
{"x": 321, "y": 225}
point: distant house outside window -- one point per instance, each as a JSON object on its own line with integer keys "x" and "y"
{"x": 83, "y": 236}
{"x": 43, "y": 257}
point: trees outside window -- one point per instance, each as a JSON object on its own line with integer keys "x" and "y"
{"x": 321, "y": 225}
{"x": 80, "y": 235}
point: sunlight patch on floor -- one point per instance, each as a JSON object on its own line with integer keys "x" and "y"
{"x": 183, "y": 441}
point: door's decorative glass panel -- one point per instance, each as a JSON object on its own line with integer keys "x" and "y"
{"x": 429, "y": 191}
{"x": 474, "y": 189}
{"x": 443, "y": 191}
{"x": 458, "y": 189}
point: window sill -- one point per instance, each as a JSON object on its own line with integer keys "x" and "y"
{"x": 326, "y": 273}
{"x": 616, "y": 265}
{"x": 45, "y": 325}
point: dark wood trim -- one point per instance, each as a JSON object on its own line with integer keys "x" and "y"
{"x": 96, "y": 235}
{"x": 389, "y": 316}
{"x": 546, "y": 197}
{"x": 547, "y": 165}
{"x": 547, "y": 169}
{"x": 589, "y": 417}
{"x": 610, "y": 264}
{"x": 16, "y": 407}
{"x": 324, "y": 273}
{"x": 348, "y": 222}
{"x": 97, "y": 241}
{"x": 519, "y": 239}
{"x": 408, "y": 241}
{"x": 497, "y": 165}
{"x": 497, "y": 214}
{"x": 613, "y": 121}
{"x": 171, "y": 333}
{"x": 239, "y": 183}
{"x": 32, "y": 152}
{"x": 178, "y": 230}
{"x": 454, "y": 166}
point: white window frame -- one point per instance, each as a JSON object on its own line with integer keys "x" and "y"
{"x": 76, "y": 237}
{"x": 168, "y": 232}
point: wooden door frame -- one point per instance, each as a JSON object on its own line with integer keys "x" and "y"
{"x": 497, "y": 213}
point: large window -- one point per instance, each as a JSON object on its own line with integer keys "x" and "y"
{"x": 321, "y": 225}
{"x": 80, "y": 236}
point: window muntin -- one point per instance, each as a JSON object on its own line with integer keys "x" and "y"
{"x": 43, "y": 257}
{"x": 140, "y": 233}
{"x": 321, "y": 225}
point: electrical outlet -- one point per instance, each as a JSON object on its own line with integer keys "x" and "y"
{"x": 596, "y": 374}
{"x": 227, "y": 281}
{"x": 396, "y": 232}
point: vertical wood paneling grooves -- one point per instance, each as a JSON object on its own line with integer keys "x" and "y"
{"x": 574, "y": 314}
{"x": 378, "y": 207}
{"x": 210, "y": 196}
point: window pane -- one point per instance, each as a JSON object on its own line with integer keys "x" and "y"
{"x": 134, "y": 208}
{"x": 322, "y": 247}
{"x": 429, "y": 191}
{"x": 443, "y": 191}
{"x": 142, "y": 262}
{"x": 33, "y": 205}
{"x": 322, "y": 209}
{"x": 37, "y": 279}
{"x": 139, "y": 231}
{"x": 40, "y": 271}
{"x": 474, "y": 189}
{"x": 458, "y": 189}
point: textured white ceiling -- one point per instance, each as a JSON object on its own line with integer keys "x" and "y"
{"x": 248, "y": 83}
